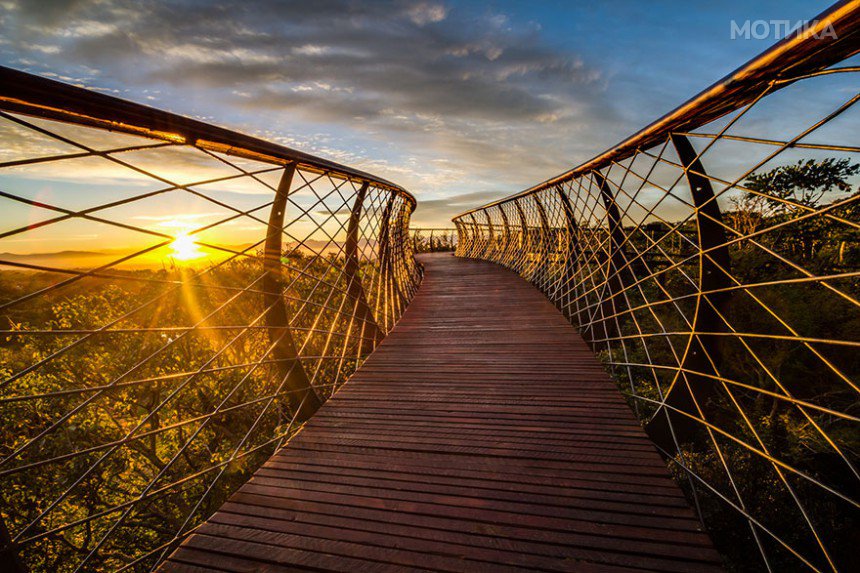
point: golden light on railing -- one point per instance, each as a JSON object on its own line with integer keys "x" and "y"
{"x": 708, "y": 261}
{"x": 168, "y": 357}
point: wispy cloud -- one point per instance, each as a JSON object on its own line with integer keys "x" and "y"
{"x": 439, "y": 98}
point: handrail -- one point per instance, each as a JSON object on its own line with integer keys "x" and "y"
{"x": 711, "y": 261}
{"x": 33, "y": 95}
{"x": 233, "y": 286}
{"x": 792, "y": 58}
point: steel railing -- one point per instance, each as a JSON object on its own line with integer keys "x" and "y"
{"x": 433, "y": 239}
{"x": 712, "y": 262}
{"x": 229, "y": 285}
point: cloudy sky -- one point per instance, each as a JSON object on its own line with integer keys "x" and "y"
{"x": 460, "y": 102}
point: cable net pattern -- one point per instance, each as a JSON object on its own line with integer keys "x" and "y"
{"x": 217, "y": 301}
{"x": 717, "y": 274}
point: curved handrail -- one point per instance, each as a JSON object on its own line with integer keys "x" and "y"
{"x": 33, "y": 95}
{"x": 710, "y": 260}
{"x": 792, "y": 58}
{"x": 233, "y": 285}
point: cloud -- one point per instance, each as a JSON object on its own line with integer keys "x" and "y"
{"x": 415, "y": 81}
{"x": 439, "y": 211}
{"x": 49, "y": 12}
{"x": 427, "y": 13}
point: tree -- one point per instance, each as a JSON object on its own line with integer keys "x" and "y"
{"x": 789, "y": 192}
{"x": 803, "y": 183}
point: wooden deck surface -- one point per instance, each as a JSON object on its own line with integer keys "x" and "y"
{"x": 482, "y": 435}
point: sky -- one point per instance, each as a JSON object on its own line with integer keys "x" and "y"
{"x": 460, "y": 102}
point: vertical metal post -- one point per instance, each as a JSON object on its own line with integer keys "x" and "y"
{"x": 525, "y": 239}
{"x": 470, "y": 240}
{"x": 398, "y": 235}
{"x": 289, "y": 367}
{"x": 462, "y": 238}
{"x": 702, "y": 351}
{"x": 616, "y": 260}
{"x": 384, "y": 270}
{"x": 543, "y": 256}
{"x": 489, "y": 250}
{"x": 476, "y": 244}
{"x": 571, "y": 263}
{"x": 371, "y": 335}
{"x": 507, "y": 236}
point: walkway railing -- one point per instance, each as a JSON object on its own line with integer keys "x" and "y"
{"x": 712, "y": 261}
{"x": 433, "y": 240}
{"x": 176, "y": 299}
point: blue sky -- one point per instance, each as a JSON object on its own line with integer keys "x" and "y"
{"x": 460, "y": 102}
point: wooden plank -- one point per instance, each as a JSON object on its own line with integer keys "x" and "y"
{"x": 482, "y": 435}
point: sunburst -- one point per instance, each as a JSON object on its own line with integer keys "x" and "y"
{"x": 184, "y": 248}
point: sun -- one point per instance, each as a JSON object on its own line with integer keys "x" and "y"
{"x": 184, "y": 248}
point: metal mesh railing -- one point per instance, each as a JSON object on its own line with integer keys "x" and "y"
{"x": 176, "y": 299}
{"x": 433, "y": 240}
{"x": 712, "y": 262}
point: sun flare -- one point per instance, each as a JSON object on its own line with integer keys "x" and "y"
{"x": 184, "y": 248}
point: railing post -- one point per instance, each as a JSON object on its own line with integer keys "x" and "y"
{"x": 543, "y": 257}
{"x": 611, "y": 305}
{"x": 469, "y": 244}
{"x": 507, "y": 236}
{"x": 525, "y": 239}
{"x": 702, "y": 352}
{"x": 396, "y": 276}
{"x": 475, "y": 252}
{"x": 462, "y": 238}
{"x": 302, "y": 396}
{"x": 490, "y": 249}
{"x": 384, "y": 263}
{"x": 370, "y": 333}
{"x": 571, "y": 263}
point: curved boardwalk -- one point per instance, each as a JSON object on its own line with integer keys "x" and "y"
{"x": 482, "y": 435}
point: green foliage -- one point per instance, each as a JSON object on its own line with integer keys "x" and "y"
{"x": 803, "y": 183}
{"x": 799, "y": 223}
{"x": 131, "y": 406}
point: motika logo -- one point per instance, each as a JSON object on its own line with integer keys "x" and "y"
{"x": 779, "y": 29}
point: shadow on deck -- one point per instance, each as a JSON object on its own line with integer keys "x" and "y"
{"x": 482, "y": 435}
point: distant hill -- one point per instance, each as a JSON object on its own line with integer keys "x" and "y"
{"x": 59, "y": 255}
{"x": 84, "y": 259}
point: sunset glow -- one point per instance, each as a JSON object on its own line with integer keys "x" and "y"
{"x": 185, "y": 249}
{"x": 521, "y": 285}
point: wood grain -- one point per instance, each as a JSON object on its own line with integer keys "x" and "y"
{"x": 482, "y": 435}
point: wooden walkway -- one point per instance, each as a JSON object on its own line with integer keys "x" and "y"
{"x": 482, "y": 435}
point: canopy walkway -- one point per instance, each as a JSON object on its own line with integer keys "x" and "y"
{"x": 650, "y": 362}
{"x": 470, "y": 440}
